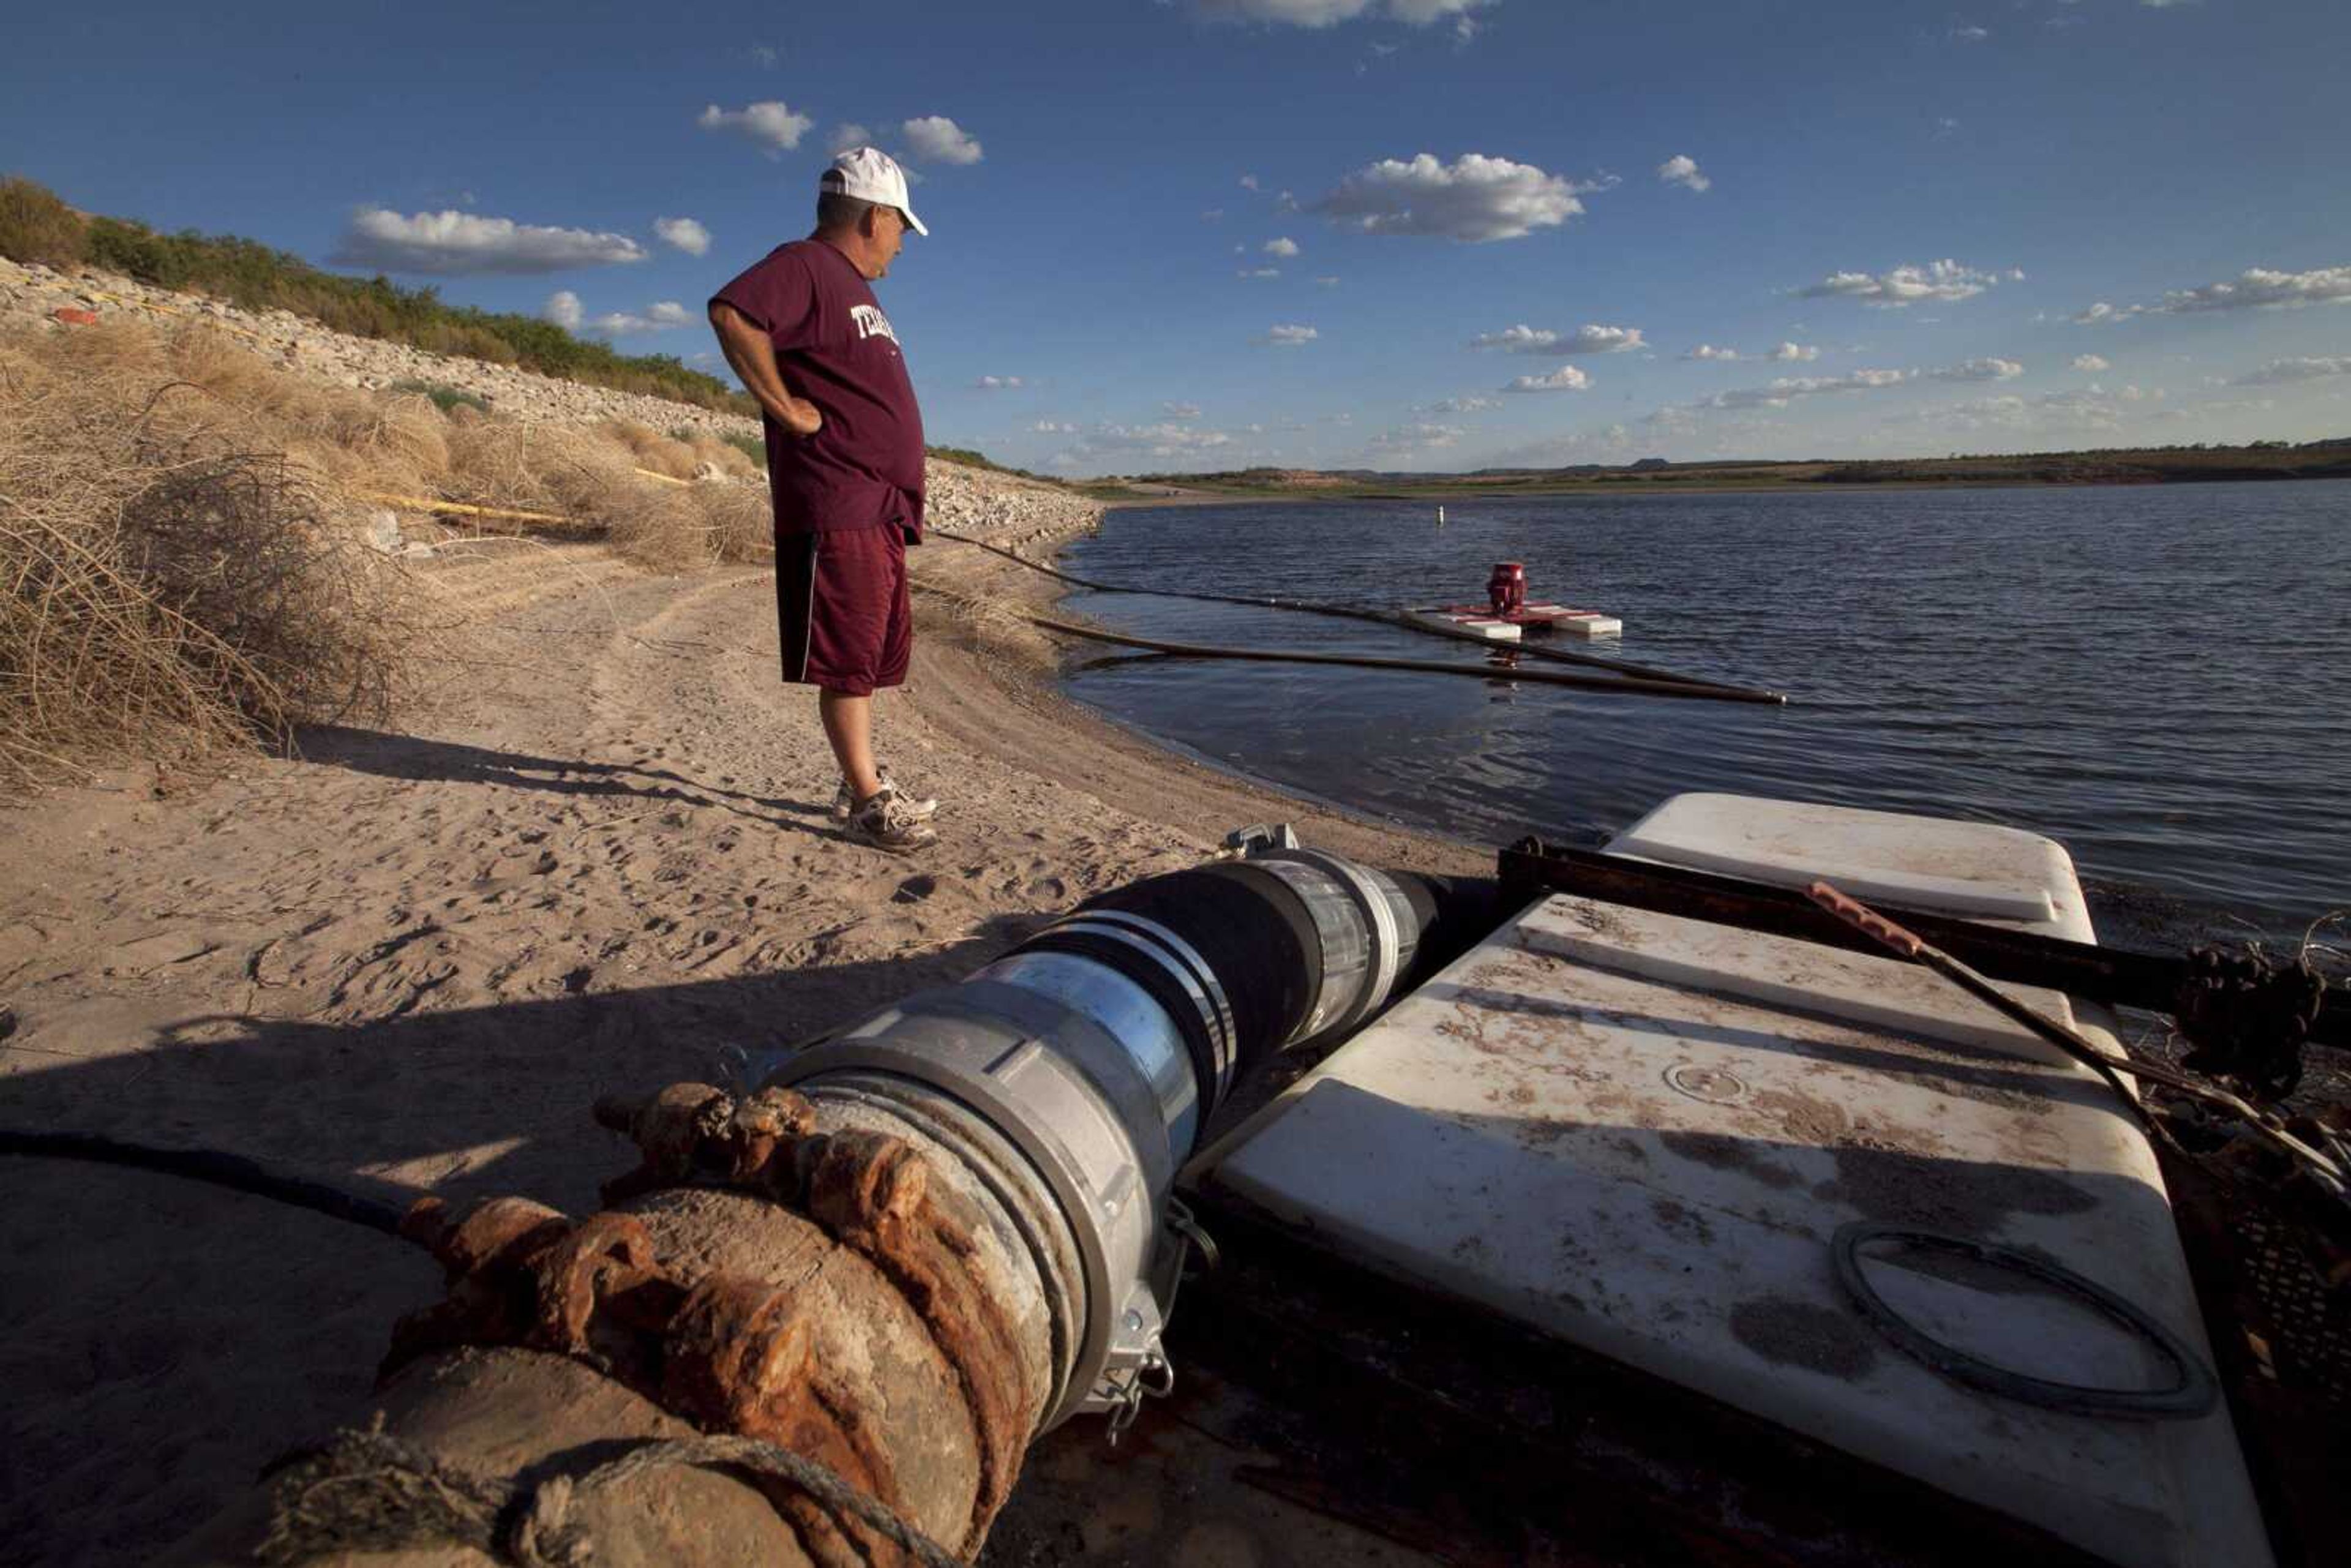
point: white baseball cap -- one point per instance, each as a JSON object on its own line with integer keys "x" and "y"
{"x": 871, "y": 175}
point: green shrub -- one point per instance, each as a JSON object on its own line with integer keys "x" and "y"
{"x": 444, "y": 396}
{"x": 754, "y": 447}
{"x": 971, "y": 459}
{"x": 36, "y": 226}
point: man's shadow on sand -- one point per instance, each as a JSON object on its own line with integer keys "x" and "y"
{"x": 391, "y": 755}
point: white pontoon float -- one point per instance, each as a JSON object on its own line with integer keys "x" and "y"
{"x": 1677, "y": 1145}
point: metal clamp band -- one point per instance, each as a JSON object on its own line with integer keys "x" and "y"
{"x": 1221, "y": 1026}
{"x": 1377, "y": 914}
{"x": 1090, "y": 924}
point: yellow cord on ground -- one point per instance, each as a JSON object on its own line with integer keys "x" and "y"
{"x": 424, "y": 504}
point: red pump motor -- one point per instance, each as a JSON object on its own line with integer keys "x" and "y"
{"x": 1507, "y": 589}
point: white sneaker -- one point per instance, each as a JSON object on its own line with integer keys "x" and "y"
{"x": 845, "y": 801}
{"x": 890, "y": 823}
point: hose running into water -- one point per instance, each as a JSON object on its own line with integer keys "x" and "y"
{"x": 1648, "y": 675}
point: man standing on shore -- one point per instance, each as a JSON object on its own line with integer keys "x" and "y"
{"x": 844, "y": 469}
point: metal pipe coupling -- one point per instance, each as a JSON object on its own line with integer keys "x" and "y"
{"x": 1074, "y": 1075}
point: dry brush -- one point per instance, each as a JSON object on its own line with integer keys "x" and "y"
{"x": 186, "y": 540}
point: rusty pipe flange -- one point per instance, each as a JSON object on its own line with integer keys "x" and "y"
{"x": 984, "y": 1045}
{"x": 967, "y": 1149}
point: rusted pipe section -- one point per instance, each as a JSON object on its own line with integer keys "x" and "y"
{"x": 816, "y": 1278}
{"x": 822, "y": 1319}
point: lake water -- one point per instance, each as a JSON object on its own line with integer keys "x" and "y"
{"x": 2156, "y": 677}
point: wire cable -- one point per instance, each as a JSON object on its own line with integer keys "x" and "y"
{"x": 213, "y": 1166}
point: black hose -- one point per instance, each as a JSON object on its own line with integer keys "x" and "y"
{"x": 1376, "y": 617}
{"x": 1624, "y": 685}
{"x": 213, "y": 1166}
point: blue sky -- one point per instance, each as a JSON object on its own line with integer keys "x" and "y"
{"x": 1398, "y": 234}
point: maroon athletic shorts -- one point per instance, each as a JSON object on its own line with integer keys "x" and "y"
{"x": 841, "y": 606}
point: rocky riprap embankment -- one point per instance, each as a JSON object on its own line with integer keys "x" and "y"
{"x": 967, "y": 500}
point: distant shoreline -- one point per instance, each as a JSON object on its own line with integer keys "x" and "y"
{"x": 2217, "y": 466}
{"x": 1564, "y": 492}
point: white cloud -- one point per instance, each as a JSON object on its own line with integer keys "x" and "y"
{"x": 2092, "y": 363}
{"x": 847, "y": 135}
{"x": 1290, "y": 337}
{"x": 766, "y": 53}
{"x": 1708, "y": 351}
{"x": 2255, "y": 289}
{"x": 1567, "y": 377}
{"x": 1969, "y": 35}
{"x": 773, "y": 124}
{"x": 1785, "y": 389}
{"x": 563, "y": 308}
{"x": 1904, "y": 286}
{"x": 1284, "y": 246}
{"x": 1460, "y": 405}
{"x": 1249, "y": 182}
{"x": 2058, "y": 409}
{"x": 1180, "y": 409}
{"x": 452, "y": 243}
{"x": 1986, "y": 370}
{"x": 1415, "y": 438}
{"x": 1679, "y": 170}
{"x": 2277, "y": 373}
{"x": 686, "y": 233}
{"x": 1164, "y": 439}
{"x": 1329, "y": 13}
{"x": 2262, "y": 288}
{"x": 660, "y": 316}
{"x": 1474, "y": 198}
{"x": 1421, "y": 13}
{"x": 998, "y": 384}
{"x": 1584, "y": 340}
{"x": 1789, "y": 353}
{"x": 1258, "y": 272}
{"x": 1053, "y": 427}
{"x": 1326, "y": 283}
{"x": 1212, "y": 215}
{"x": 935, "y": 139}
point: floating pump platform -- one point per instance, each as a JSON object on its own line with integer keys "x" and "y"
{"x": 1507, "y": 615}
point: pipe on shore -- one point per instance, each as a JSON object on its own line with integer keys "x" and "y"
{"x": 917, "y": 1244}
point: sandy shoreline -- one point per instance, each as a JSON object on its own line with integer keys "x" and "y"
{"x": 408, "y": 961}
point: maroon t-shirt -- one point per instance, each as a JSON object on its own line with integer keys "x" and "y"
{"x": 837, "y": 350}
